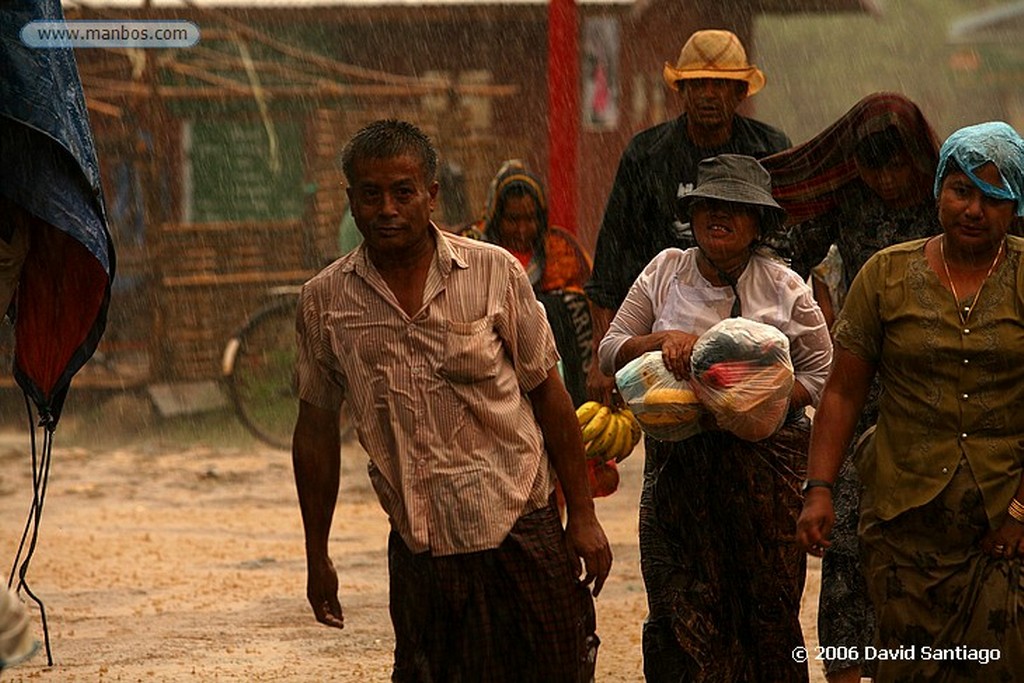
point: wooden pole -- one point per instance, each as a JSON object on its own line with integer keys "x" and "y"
{"x": 563, "y": 113}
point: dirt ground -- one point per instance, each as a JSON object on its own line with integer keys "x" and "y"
{"x": 167, "y": 561}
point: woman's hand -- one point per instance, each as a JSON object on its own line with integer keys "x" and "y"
{"x": 816, "y": 520}
{"x": 676, "y": 349}
{"x": 600, "y": 387}
{"x": 1006, "y": 542}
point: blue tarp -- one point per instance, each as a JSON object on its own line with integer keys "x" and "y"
{"x": 49, "y": 170}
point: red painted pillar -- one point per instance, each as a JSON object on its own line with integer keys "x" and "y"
{"x": 563, "y": 113}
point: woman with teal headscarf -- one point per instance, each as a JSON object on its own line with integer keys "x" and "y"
{"x": 941, "y": 322}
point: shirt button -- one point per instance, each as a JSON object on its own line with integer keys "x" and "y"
{"x": 964, "y": 435}
{"x": 945, "y": 470}
{"x": 967, "y": 331}
{"x": 964, "y": 397}
{"x": 966, "y": 361}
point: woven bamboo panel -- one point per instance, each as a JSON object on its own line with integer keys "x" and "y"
{"x": 213, "y": 276}
{"x": 201, "y": 319}
{"x": 221, "y": 248}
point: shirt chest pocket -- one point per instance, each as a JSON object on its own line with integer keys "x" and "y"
{"x": 473, "y": 351}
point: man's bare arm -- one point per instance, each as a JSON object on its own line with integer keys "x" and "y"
{"x": 316, "y": 459}
{"x": 557, "y": 418}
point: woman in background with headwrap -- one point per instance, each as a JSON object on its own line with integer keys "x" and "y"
{"x": 942, "y": 515}
{"x": 862, "y": 184}
{"x": 516, "y": 218}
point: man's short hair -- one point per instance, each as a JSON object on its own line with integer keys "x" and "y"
{"x": 387, "y": 139}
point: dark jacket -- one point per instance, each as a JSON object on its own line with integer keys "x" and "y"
{"x": 640, "y": 218}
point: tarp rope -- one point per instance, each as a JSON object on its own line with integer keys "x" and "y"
{"x": 40, "y": 477}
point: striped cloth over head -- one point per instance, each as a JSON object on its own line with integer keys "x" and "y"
{"x": 807, "y": 179}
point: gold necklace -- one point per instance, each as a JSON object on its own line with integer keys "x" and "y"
{"x": 956, "y": 297}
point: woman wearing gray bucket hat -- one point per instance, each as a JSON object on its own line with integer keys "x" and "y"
{"x": 717, "y": 513}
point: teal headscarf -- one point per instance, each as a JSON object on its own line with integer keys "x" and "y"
{"x": 974, "y": 146}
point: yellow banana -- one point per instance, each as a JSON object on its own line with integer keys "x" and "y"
{"x": 597, "y": 424}
{"x": 604, "y": 445}
{"x": 625, "y": 444}
{"x": 603, "y": 441}
{"x": 587, "y": 411}
{"x": 634, "y": 426}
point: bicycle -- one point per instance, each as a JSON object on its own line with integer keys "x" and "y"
{"x": 258, "y": 369}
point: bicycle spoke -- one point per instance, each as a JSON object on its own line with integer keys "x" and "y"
{"x": 262, "y": 381}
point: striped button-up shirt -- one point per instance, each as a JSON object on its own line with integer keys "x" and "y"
{"x": 439, "y": 398}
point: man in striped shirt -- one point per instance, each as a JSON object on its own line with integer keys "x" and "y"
{"x": 449, "y": 366}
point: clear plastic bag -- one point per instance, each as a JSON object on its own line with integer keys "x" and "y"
{"x": 742, "y": 372}
{"x": 666, "y": 408}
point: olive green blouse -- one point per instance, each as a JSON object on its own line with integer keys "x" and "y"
{"x": 949, "y": 390}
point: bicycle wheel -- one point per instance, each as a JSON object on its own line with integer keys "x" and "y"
{"x": 259, "y": 370}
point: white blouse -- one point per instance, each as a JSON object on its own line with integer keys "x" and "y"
{"x": 672, "y": 294}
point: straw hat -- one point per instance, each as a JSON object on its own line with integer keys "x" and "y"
{"x": 714, "y": 54}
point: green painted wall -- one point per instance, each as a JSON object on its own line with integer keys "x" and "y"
{"x": 236, "y": 176}
{"x": 819, "y": 66}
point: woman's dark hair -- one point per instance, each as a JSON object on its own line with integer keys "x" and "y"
{"x": 387, "y": 139}
{"x": 951, "y": 167}
{"x": 877, "y": 149}
{"x": 513, "y": 191}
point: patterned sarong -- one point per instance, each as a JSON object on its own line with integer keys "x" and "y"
{"x": 515, "y": 614}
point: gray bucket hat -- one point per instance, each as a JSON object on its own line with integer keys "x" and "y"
{"x": 739, "y": 179}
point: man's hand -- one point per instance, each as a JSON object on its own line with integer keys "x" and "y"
{"x": 600, "y": 387}
{"x": 585, "y": 539}
{"x": 322, "y": 592}
{"x": 316, "y": 458}
{"x": 815, "y": 523}
{"x": 589, "y": 546}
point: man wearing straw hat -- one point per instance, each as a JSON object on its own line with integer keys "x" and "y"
{"x": 712, "y": 76}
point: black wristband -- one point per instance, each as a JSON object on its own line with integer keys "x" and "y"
{"x": 815, "y": 483}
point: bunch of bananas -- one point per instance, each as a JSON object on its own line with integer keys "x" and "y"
{"x": 609, "y": 433}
